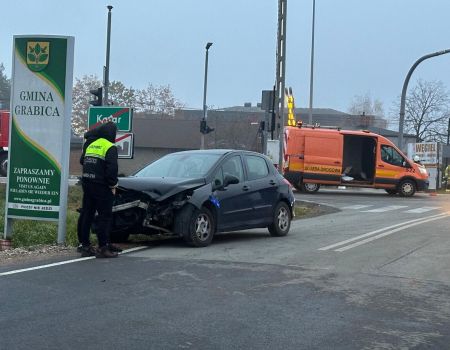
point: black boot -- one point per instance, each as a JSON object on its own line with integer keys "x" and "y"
{"x": 104, "y": 252}
{"x": 87, "y": 251}
{"x": 114, "y": 248}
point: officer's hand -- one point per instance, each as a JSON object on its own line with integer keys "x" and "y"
{"x": 113, "y": 190}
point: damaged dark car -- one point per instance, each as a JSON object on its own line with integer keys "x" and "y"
{"x": 195, "y": 194}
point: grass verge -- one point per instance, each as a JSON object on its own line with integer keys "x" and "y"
{"x": 27, "y": 233}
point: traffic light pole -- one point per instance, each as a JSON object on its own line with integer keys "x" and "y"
{"x": 108, "y": 45}
{"x": 280, "y": 78}
{"x": 205, "y": 84}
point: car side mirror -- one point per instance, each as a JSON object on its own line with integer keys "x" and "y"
{"x": 230, "y": 180}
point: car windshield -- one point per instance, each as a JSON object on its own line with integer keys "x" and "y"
{"x": 184, "y": 165}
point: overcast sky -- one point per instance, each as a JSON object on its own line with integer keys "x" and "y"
{"x": 362, "y": 46}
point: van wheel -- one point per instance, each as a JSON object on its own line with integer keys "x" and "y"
{"x": 391, "y": 191}
{"x": 281, "y": 220}
{"x": 310, "y": 188}
{"x": 407, "y": 188}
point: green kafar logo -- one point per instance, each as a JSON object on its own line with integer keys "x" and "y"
{"x": 37, "y": 55}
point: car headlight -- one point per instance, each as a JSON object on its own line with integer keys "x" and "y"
{"x": 423, "y": 171}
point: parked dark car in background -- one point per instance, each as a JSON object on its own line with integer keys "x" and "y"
{"x": 195, "y": 194}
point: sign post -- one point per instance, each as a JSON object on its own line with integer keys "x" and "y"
{"x": 39, "y": 142}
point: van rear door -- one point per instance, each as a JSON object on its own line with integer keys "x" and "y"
{"x": 323, "y": 158}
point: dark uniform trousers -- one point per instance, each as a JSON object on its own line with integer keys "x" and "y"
{"x": 96, "y": 198}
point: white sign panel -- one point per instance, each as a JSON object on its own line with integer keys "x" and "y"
{"x": 427, "y": 152}
{"x": 125, "y": 145}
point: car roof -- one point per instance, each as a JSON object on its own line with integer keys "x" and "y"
{"x": 215, "y": 151}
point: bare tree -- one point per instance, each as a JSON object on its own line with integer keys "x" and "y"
{"x": 366, "y": 105}
{"x": 120, "y": 95}
{"x": 80, "y": 101}
{"x": 427, "y": 108}
{"x": 157, "y": 100}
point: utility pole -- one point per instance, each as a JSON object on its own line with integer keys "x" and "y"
{"x": 280, "y": 78}
{"x": 108, "y": 45}
{"x": 405, "y": 87}
{"x": 311, "y": 79}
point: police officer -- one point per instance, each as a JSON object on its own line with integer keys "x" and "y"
{"x": 99, "y": 182}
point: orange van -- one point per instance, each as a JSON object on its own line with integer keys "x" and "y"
{"x": 317, "y": 156}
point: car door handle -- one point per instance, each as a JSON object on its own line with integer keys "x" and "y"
{"x": 381, "y": 165}
{"x": 245, "y": 188}
{"x": 272, "y": 182}
{"x": 337, "y": 162}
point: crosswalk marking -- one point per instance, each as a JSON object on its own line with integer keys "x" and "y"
{"x": 384, "y": 209}
{"x": 421, "y": 210}
{"x": 357, "y": 206}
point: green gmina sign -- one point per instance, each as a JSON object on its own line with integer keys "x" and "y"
{"x": 39, "y": 145}
{"x": 121, "y": 116}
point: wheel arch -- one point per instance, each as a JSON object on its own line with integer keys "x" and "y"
{"x": 406, "y": 178}
{"x": 213, "y": 209}
{"x": 285, "y": 200}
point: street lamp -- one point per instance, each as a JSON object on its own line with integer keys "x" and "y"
{"x": 108, "y": 45}
{"x": 405, "y": 86}
{"x": 203, "y": 127}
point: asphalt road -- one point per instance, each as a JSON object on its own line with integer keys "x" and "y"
{"x": 374, "y": 274}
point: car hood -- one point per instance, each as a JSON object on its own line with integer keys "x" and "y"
{"x": 160, "y": 188}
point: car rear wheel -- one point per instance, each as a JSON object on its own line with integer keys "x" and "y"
{"x": 281, "y": 220}
{"x": 201, "y": 228}
{"x": 407, "y": 188}
{"x": 310, "y": 188}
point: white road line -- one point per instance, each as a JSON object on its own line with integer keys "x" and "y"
{"x": 375, "y": 232}
{"x": 384, "y": 209}
{"x": 387, "y": 233}
{"x": 63, "y": 263}
{"x": 357, "y": 206}
{"x": 421, "y": 210}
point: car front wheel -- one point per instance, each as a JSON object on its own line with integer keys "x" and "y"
{"x": 201, "y": 228}
{"x": 281, "y": 220}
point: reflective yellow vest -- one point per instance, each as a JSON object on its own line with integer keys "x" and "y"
{"x": 98, "y": 148}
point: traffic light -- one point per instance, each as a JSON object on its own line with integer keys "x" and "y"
{"x": 204, "y": 128}
{"x": 98, "y": 93}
